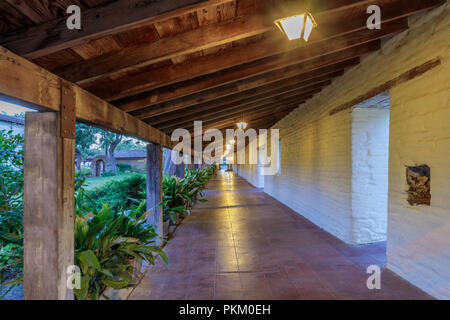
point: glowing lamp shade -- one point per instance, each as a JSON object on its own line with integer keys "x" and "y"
{"x": 242, "y": 125}
{"x": 297, "y": 27}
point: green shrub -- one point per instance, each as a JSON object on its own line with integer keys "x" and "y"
{"x": 11, "y": 205}
{"x": 105, "y": 244}
{"x": 180, "y": 194}
{"x": 120, "y": 194}
{"x": 108, "y": 174}
{"x": 106, "y": 239}
{"x": 124, "y": 168}
{"x": 175, "y": 197}
{"x": 85, "y": 171}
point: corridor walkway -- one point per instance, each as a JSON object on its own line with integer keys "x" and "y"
{"x": 243, "y": 244}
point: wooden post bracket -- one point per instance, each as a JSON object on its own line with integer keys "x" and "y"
{"x": 68, "y": 111}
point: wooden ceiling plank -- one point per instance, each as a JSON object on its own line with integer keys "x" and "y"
{"x": 240, "y": 110}
{"x": 173, "y": 74}
{"x": 239, "y": 99}
{"x": 97, "y": 48}
{"x": 250, "y": 56}
{"x": 188, "y": 95}
{"x": 219, "y": 118}
{"x": 281, "y": 99}
{"x": 297, "y": 81}
{"x": 25, "y": 8}
{"x": 12, "y": 17}
{"x": 259, "y": 122}
{"x": 169, "y": 47}
{"x": 331, "y": 25}
{"x": 118, "y": 16}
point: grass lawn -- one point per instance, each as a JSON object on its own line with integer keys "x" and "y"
{"x": 93, "y": 183}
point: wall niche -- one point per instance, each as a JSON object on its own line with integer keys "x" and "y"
{"x": 418, "y": 180}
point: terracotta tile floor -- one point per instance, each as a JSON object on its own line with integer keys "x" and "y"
{"x": 243, "y": 244}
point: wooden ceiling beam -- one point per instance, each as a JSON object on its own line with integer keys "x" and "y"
{"x": 249, "y": 113}
{"x": 98, "y": 22}
{"x": 184, "y": 43}
{"x": 298, "y": 81}
{"x": 246, "y": 60}
{"x": 230, "y": 123}
{"x": 257, "y": 122}
{"x": 270, "y": 95}
{"x": 166, "y": 48}
{"x": 331, "y": 25}
{"x": 173, "y": 98}
{"x": 292, "y": 98}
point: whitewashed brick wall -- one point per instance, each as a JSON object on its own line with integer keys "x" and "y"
{"x": 370, "y": 157}
{"x": 316, "y": 163}
{"x": 250, "y": 172}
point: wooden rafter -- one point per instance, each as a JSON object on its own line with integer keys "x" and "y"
{"x": 118, "y": 16}
{"x": 216, "y": 34}
{"x": 171, "y": 99}
{"x": 227, "y": 106}
{"x": 248, "y": 58}
{"x": 236, "y": 99}
{"x": 166, "y": 48}
{"x": 264, "y": 122}
{"x": 270, "y": 103}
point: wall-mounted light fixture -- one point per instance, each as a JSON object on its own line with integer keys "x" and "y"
{"x": 297, "y": 26}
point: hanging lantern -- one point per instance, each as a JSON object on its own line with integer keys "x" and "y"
{"x": 297, "y": 26}
{"x": 242, "y": 125}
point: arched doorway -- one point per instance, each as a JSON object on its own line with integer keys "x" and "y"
{"x": 98, "y": 166}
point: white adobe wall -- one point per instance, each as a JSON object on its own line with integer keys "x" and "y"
{"x": 316, "y": 167}
{"x": 250, "y": 172}
{"x": 316, "y": 176}
{"x": 370, "y": 157}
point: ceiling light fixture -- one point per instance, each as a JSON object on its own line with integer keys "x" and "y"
{"x": 297, "y": 26}
{"x": 242, "y": 124}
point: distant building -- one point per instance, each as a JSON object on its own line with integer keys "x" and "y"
{"x": 17, "y": 125}
{"x": 135, "y": 158}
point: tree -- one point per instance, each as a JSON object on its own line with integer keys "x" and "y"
{"x": 85, "y": 138}
{"x": 91, "y": 141}
{"x": 109, "y": 142}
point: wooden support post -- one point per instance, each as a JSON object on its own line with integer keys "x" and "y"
{"x": 48, "y": 207}
{"x": 154, "y": 186}
{"x": 169, "y": 166}
{"x": 179, "y": 170}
